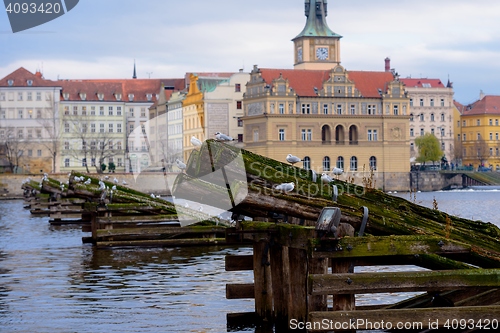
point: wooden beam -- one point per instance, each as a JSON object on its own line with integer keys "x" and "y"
{"x": 402, "y": 281}
{"x": 239, "y": 291}
{"x": 351, "y": 247}
{"x": 164, "y": 242}
{"x": 452, "y": 319}
{"x": 239, "y": 262}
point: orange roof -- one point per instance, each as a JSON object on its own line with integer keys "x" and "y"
{"x": 419, "y": 83}
{"x": 21, "y": 76}
{"x": 489, "y": 104}
{"x": 303, "y": 82}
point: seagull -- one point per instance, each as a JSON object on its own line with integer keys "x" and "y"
{"x": 106, "y": 177}
{"x": 124, "y": 182}
{"x": 292, "y": 159}
{"x": 153, "y": 196}
{"x": 195, "y": 141}
{"x": 87, "y": 182}
{"x": 186, "y": 205}
{"x": 337, "y": 171}
{"x": 102, "y": 186}
{"x": 114, "y": 188}
{"x": 223, "y": 137}
{"x": 180, "y": 165}
{"x": 286, "y": 187}
{"x": 115, "y": 180}
{"x": 325, "y": 178}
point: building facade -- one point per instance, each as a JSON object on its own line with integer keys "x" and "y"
{"x": 29, "y": 122}
{"x": 329, "y": 116}
{"x": 479, "y": 133}
{"x": 431, "y": 111}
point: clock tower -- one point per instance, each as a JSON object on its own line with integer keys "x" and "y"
{"x": 316, "y": 47}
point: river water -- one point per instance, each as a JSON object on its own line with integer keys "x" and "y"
{"x": 51, "y": 282}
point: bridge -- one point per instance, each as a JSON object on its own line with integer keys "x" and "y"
{"x": 447, "y": 179}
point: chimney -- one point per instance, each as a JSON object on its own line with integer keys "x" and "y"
{"x": 39, "y": 74}
{"x": 481, "y": 94}
{"x": 387, "y": 64}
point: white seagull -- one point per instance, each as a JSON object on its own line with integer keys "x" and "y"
{"x": 87, "y": 182}
{"x": 180, "y": 164}
{"x": 124, "y": 182}
{"x": 153, "y": 196}
{"x": 223, "y": 137}
{"x": 102, "y": 186}
{"x": 337, "y": 171}
{"x": 195, "y": 141}
{"x": 292, "y": 159}
{"x": 325, "y": 178}
{"x": 115, "y": 180}
{"x": 114, "y": 188}
{"x": 286, "y": 187}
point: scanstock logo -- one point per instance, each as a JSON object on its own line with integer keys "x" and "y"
{"x": 26, "y": 14}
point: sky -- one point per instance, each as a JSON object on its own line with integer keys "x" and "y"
{"x": 440, "y": 39}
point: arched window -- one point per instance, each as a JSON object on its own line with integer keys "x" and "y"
{"x": 411, "y": 116}
{"x": 373, "y": 163}
{"x": 354, "y": 163}
{"x": 306, "y": 163}
{"x": 353, "y": 135}
{"x": 326, "y": 135}
{"x": 432, "y": 116}
{"x": 340, "y": 162}
{"x": 326, "y": 163}
{"x": 339, "y": 135}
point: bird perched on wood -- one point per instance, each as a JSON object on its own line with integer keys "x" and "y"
{"x": 106, "y": 177}
{"x": 114, "y": 188}
{"x": 180, "y": 164}
{"x": 325, "y": 178}
{"x": 115, "y": 180}
{"x": 195, "y": 141}
{"x": 87, "y": 182}
{"x": 153, "y": 196}
{"x": 102, "y": 186}
{"x": 124, "y": 182}
{"x": 223, "y": 137}
{"x": 292, "y": 159}
{"x": 285, "y": 187}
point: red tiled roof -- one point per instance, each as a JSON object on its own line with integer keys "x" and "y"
{"x": 489, "y": 104}
{"x": 21, "y": 76}
{"x": 304, "y": 81}
{"x": 418, "y": 83}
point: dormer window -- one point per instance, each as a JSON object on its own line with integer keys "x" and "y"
{"x": 100, "y": 96}
{"x": 83, "y": 96}
{"x": 118, "y": 97}
{"x": 30, "y": 82}
{"x": 149, "y": 96}
{"x": 10, "y": 83}
{"x": 130, "y": 97}
{"x": 66, "y": 96}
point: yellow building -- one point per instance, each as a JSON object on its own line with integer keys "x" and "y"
{"x": 479, "y": 132}
{"x": 329, "y": 116}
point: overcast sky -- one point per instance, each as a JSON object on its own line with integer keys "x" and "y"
{"x": 167, "y": 38}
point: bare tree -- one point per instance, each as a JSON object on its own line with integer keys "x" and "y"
{"x": 481, "y": 151}
{"x": 50, "y": 123}
{"x": 14, "y": 149}
{"x": 458, "y": 154}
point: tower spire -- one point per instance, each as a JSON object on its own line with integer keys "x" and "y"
{"x": 134, "y": 76}
{"x": 316, "y": 26}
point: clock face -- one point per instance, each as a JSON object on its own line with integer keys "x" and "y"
{"x": 322, "y": 53}
{"x": 299, "y": 54}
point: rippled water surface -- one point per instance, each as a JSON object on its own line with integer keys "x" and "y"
{"x": 51, "y": 282}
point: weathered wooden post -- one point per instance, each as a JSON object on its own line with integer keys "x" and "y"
{"x": 262, "y": 281}
{"x": 280, "y": 274}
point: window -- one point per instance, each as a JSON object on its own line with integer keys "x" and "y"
{"x": 281, "y": 134}
{"x": 326, "y": 163}
{"x": 66, "y": 162}
{"x": 119, "y": 145}
{"x": 371, "y": 109}
{"x": 237, "y": 87}
{"x": 306, "y": 108}
{"x": 281, "y": 108}
{"x": 306, "y": 163}
{"x": 412, "y": 146}
{"x": 396, "y": 109}
{"x": 101, "y": 110}
{"x": 372, "y": 135}
{"x": 102, "y": 145}
{"x": 442, "y": 131}
{"x": 39, "y": 133}
{"x": 143, "y": 112}
{"x": 38, "y": 113}
{"x": 353, "y": 109}
{"x": 38, "y": 96}
{"x": 491, "y": 151}
{"x": 84, "y": 162}
{"x": 101, "y": 128}
{"x": 479, "y": 136}
{"x": 240, "y": 137}
{"x": 491, "y": 122}
{"x": 421, "y": 117}
{"x": 92, "y": 162}
{"x": 110, "y": 111}
{"x": 2, "y": 96}
{"x": 339, "y": 108}
{"x": 240, "y": 122}
{"x": 19, "y": 96}
{"x": 238, "y": 105}
{"x": 412, "y": 133}
{"x": 432, "y": 101}
{"x": 432, "y": 131}
{"x": 459, "y": 137}
{"x": 66, "y": 127}
{"x": 421, "y": 132}
{"x": 432, "y": 116}
{"x": 496, "y": 136}
{"x": 110, "y": 128}
{"x": 110, "y": 144}
{"x": 373, "y": 163}
{"x": 306, "y": 134}
{"x": 463, "y": 123}
{"x": 478, "y": 122}
{"x": 255, "y": 135}
{"x": 131, "y": 112}
{"x": 496, "y": 122}
{"x": 20, "y": 113}
{"x": 340, "y": 162}
{"x": 30, "y": 134}
{"x": 353, "y": 163}
{"x": 39, "y": 153}
{"x": 442, "y": 117}
{"x": 442, "y": 101}
{"x": 465, "y": 137}
{"x": 411, "y": 101}
{"x": 118, "y": 110}
{"x": 491, "y": 136}
{"x": 29, "y": 96}
{"x": 66, "y": 145}
{"x": 421, "y": 102}
{"x": 75, "y": 110}
{"x": 118, "y": 128}
{"x": 411, "y": 116}
{"x": 92, "y": 110}
{"x": 131, "y": 128}
{"x": 3, "y": 113}
{"x": 143, "y": 129}
{"x": 92, "y": 128}
{"x": 120, "y": 162}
